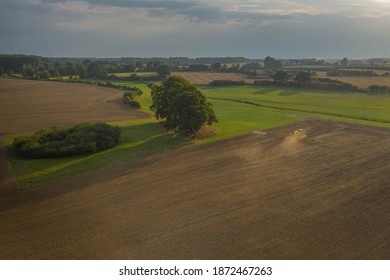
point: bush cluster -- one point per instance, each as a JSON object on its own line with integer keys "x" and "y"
{"x": 330, "y": 84}
{"x": 134, "y": 77}
{"x": 351, "y": 73}
{"x": 379, "y": 89}
{"x": 316, "y": 83}
{"x": 60, "y": 142}
{"x": 129, "y": 96}
{"x": 100, "y": 84}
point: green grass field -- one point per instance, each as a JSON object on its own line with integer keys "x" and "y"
{"x": 138, "y": 139}
{"x": 347, "y": 104}
{"x": 271, "y": 107}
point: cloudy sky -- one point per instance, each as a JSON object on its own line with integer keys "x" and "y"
{"x": 146, "y": 28}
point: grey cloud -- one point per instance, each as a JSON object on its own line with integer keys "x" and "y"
{"x": 204, "y": 29}
{"x": 196, "y": 10}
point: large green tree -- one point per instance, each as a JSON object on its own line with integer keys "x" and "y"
{"x": 163, "y": 71}
{"x": 272, "y": 63}
{"x": 303, "y": 78}
{"x": 280, "y": 76}
{"x": 181, "y": 105}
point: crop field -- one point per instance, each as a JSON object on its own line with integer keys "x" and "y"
{"x": 204, "y": 78}
{"x": 30, "y": 105}
{"x": 290, "y": 186}
{"x": 309, "y": 190}
{"x": 144, "y": 137}
{"x": 365, "y": 82}
{"x": 362, "y": 82}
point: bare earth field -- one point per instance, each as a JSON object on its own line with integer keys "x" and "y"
{"x": 310, "y": 190}
{"x": 365, "y": 82}
{"x": 361, "y": 82}
{"x": 204, "y": 78}
{"x": 30, "y": 105}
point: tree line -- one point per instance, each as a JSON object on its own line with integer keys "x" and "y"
{"x": 44, "y": 68}
{"x": 37, "y": 67}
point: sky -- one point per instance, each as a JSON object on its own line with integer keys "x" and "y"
{"x": 196, "y": 28}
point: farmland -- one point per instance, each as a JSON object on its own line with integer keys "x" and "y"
{"x": 289, "y": 187}
{"x": 365, "y": 82}
{"x": 142, "y": 136}
{"x": 204, "y": 78}
{"x": 309, "y": 190}
{"x": 349, "y": 104}
{"x": 31, "y": 105}
{"x": 362, "y": 82}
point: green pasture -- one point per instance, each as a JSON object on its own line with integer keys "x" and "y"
{"x": 353, "y": 105}
{"x": 138, "y": 139}
{"x": 239, "y": 109}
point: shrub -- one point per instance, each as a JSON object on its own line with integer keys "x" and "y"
{"x": 60, "y": 142}
{"x": 134, "y": 104}
{"x": 351, "y": 73}
{"x": 316, "y": 83}
{"x": 378, "y": 88}
{"x": 132, "y": 93}
{"x": 129, "y": 96}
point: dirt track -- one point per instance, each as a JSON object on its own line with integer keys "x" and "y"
{"x": 312, "y": 190}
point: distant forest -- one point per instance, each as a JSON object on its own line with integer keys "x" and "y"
{"x": 37, "y": 67}
{"x": 30, "y": 66}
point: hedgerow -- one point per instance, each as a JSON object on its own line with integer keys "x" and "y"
{"x": 60, "y": 142}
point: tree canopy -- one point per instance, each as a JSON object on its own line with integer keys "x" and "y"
{"x": 303, "y": 78}
{"x": 344, "y": 61}
{"x": 163, "y": 71}
{"x": 280, "y": 76}
{"x": 182, "y": 106}
{"x": 272, "y": 63}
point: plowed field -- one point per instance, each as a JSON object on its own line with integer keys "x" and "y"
{"x": 365, "y": 82}
{"x": 362, "y": 82}
{"x": 310, "y": 190}
{"x": 204, "y": 78}
{"x": 30, "y": 105}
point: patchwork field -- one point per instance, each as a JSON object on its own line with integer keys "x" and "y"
{"x": 30, "y": 105}
{"x": 365, "y": 82}
{"x": 204, "y": 78}
{"x": 314, "y": 189}
{"x": 310, "y": 190}
{"x": 362, "y": 82}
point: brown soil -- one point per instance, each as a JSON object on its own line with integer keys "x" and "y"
{"x": 310, "y": 190}
{"x": 204, "y": 78}
{"x": 361, "y": 82}
{"x": 30, "y": 105}
{"x": 365, "y": 82}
